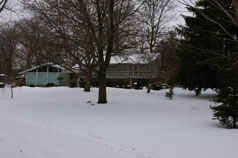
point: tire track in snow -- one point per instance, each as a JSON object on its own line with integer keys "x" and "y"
{"x": 31, "y": 139}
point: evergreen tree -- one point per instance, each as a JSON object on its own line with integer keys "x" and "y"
{"x": 209, "y": 58}
{"x": 205, "y": 46}
{"x": 170, "y": 93}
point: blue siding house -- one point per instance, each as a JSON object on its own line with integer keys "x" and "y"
{"x": 45, "y": 74}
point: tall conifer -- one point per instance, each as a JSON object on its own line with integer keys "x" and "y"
{"x": 210, "y": 54}
{"x": 205, "y": 46}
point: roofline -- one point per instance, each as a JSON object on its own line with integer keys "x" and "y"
{"x": 128, "y": 63}
{"x": 45, "y": 64}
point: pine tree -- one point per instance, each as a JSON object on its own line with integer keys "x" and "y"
{"x": 205, "y": 46}
{"x": 209, "y": 58}
{"x": 170, "y": 93}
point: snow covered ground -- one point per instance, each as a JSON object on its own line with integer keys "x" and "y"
{"x": 67, "y": 123}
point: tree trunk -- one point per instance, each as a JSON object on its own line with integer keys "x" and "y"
{"x": 88, "y": 82}
{"x": 11, "y": 91}
{"x": 102, "y": 96}
{"x": 148, "y": 88}
{"x": 198, "y": 91}
{"x": 149, "y": 84}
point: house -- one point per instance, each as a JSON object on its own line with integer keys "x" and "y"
{"x": 118, "y": 74}
{"x": 45, "y": 74}
{"x": 127, "y": 74}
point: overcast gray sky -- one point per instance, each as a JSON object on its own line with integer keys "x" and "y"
{"x": 19, "y": 13}
{"x": 16, "y": 13}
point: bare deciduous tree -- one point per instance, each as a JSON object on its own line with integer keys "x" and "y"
{"x": 8, "y": 44}
{"x": 70, "y": 39}
{"x": 8, "y": 61}
{"x": 155, "y": 15}
{"x": 29, "y": 36}
{"x": 111, "y": 15}
{"x": 92, "y": 29}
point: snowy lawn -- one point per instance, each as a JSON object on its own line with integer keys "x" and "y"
{"x": 67, "y": 123}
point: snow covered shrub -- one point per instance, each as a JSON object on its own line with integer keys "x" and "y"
{"x": 170, "y": 93}
{"x": 226, "y": 109}
{"x": 156, "y": 86}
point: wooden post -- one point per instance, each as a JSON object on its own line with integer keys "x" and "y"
{"x": 78, "y": 81}
{"x": 11, "y": 90}
{"x": 47, "y": 75}
{"x": 58, "y": 77}
{"x": 37, "y": 76}
{"x": 26, "y": 78}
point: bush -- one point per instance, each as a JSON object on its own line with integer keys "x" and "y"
{"x": 19, "y": 83}
{"x": 159, "y": 86}
{"x": 137, "y": 85}
{"x": 170, "y": 94}
{"x": 32, "y": 85}
{"x": 165, "y": 86}
{"x": 50, "y": 85}
{"x": 60, "y": 78}
{"x": 73, "y": 83}
{"x": 156, "y": 86}
{"x": 2, "y": 85}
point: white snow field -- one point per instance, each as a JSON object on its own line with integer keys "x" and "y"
{"x": 68, "y": 123}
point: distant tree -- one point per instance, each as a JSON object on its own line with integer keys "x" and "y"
{"x": 155, "y": 15}
{"x": 8, "y": 49}
{"x": 168, "y": 48}
{"x": 8, "y": 45}
{"x": 31, "y": 47}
